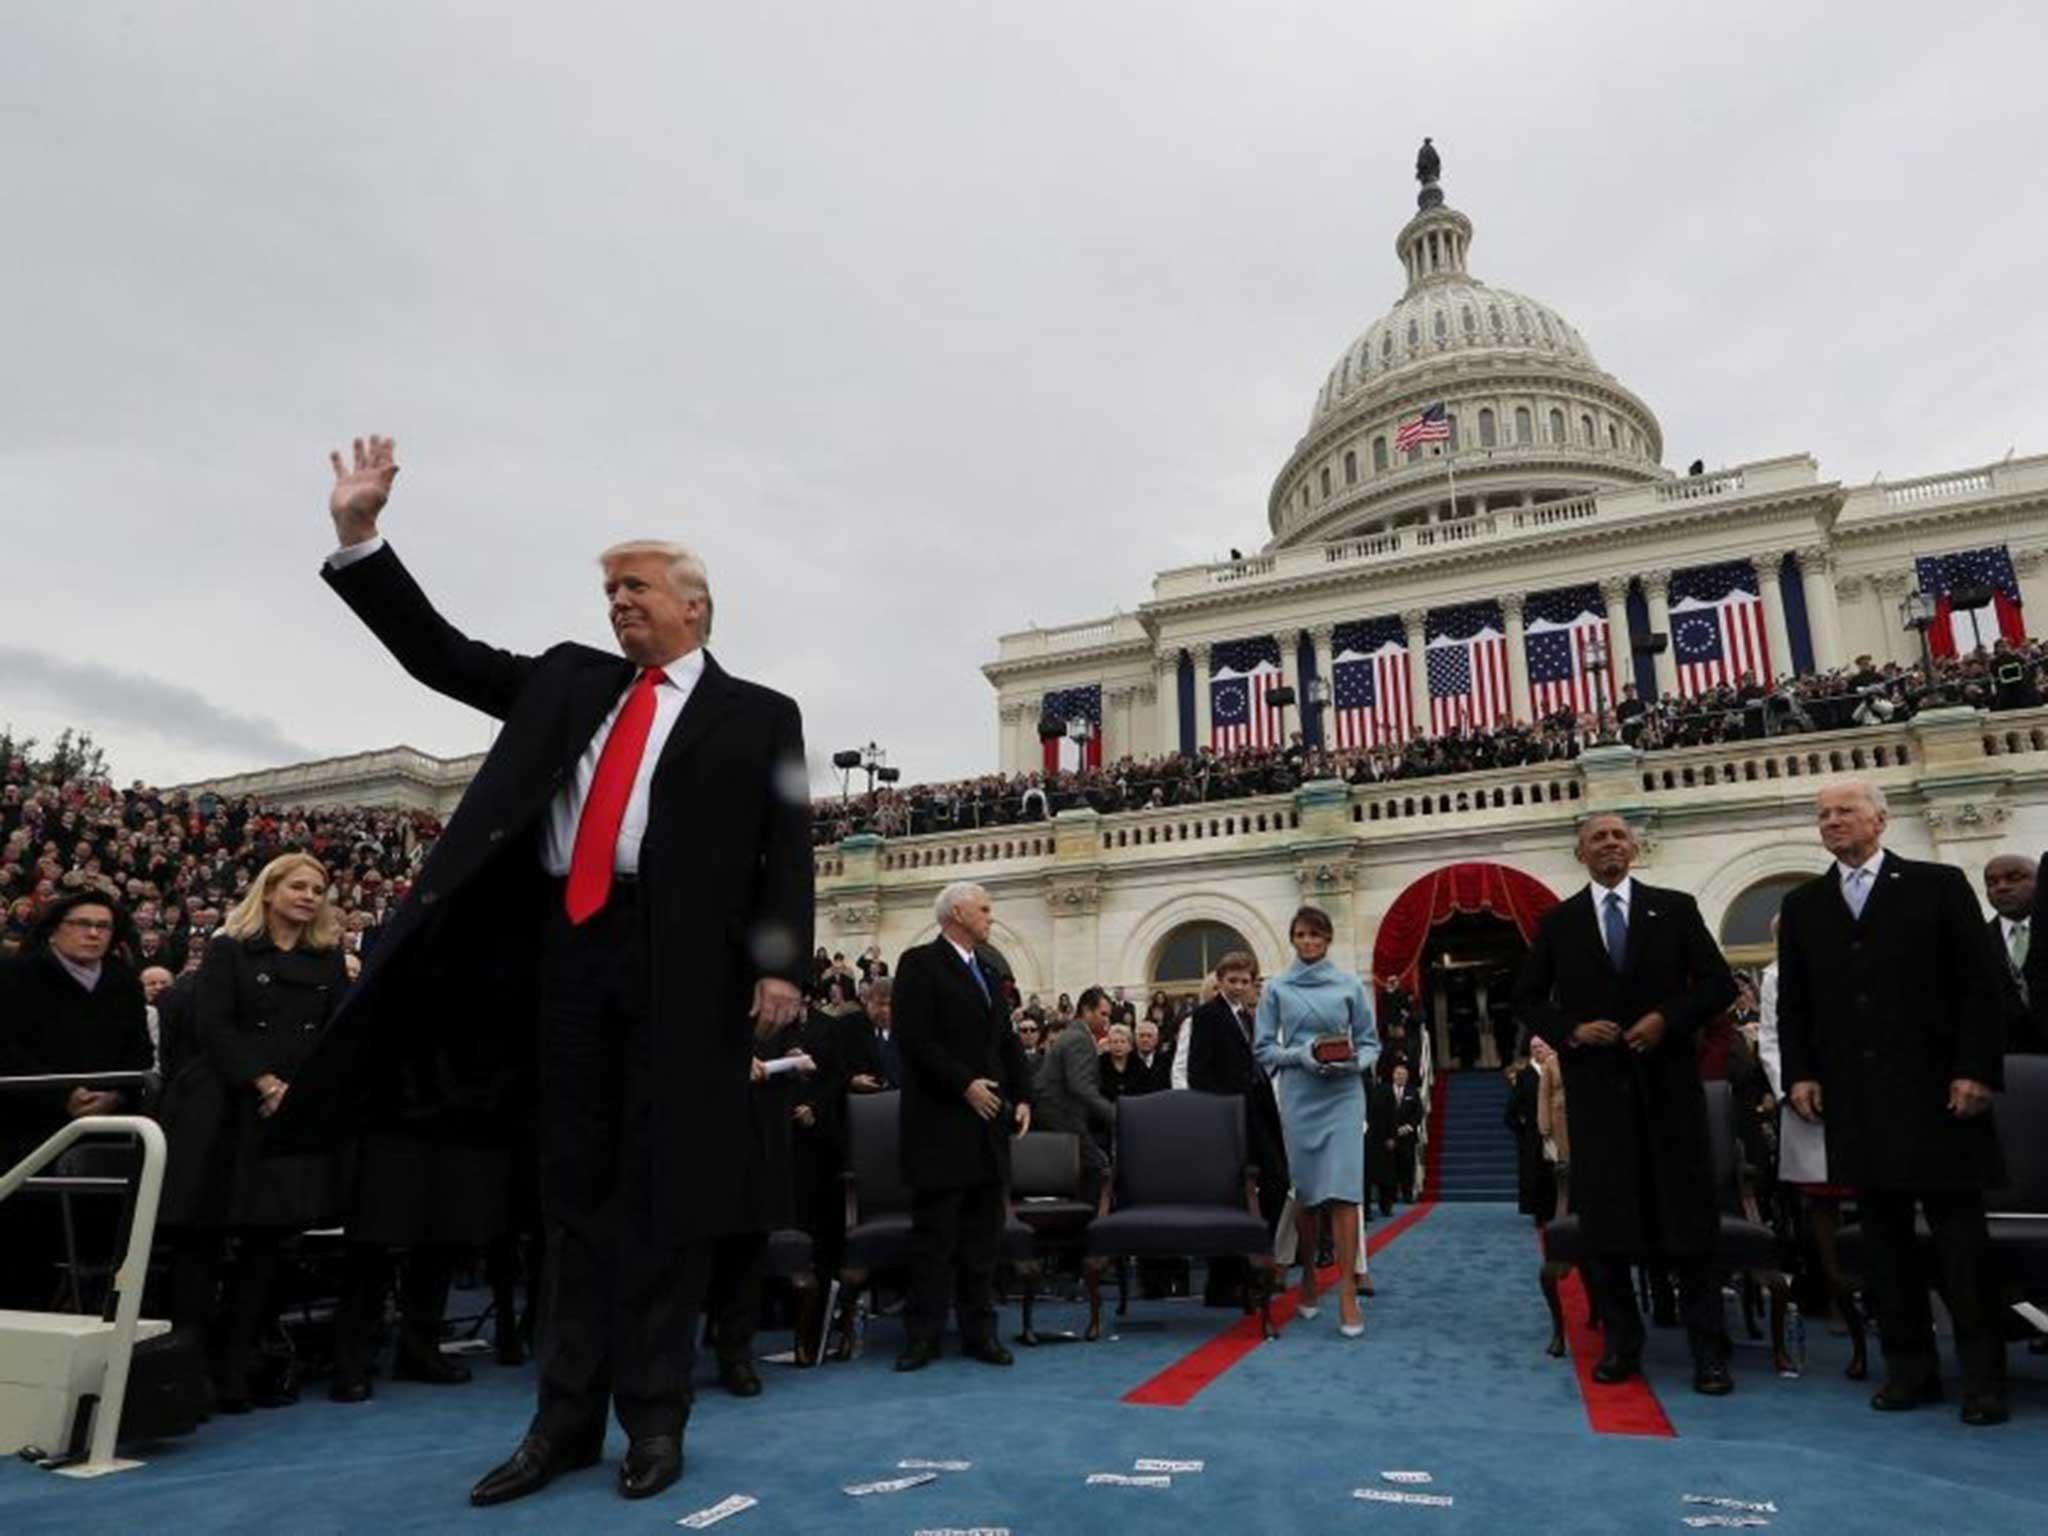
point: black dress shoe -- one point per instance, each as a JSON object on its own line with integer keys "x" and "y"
{"x": 349, "y": 1388}
{"x": 1710, "y": 1378}
{"x": 1614, "y": 1368}
{"x": 436, "y": 1369}
{"x": 531, "y": 1467}
{"x": 739, "y": 1378}
{"x": 916, "y": 1356}
{"x": 1898, "y": 1396}
{"x": 989, "y": 1352}
{"x": 651, "y": 1464}
{"x": 1982, "y": 1408}
{"x": 510, "y": 1351}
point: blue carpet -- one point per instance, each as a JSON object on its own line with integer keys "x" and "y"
{"x": 1476, "y": 1159}
{"x": 1451, "y": 1378}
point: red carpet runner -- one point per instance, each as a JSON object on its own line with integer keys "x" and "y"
{"x": 1179, "y": 1383}
{"x": 1626, "y": 1408}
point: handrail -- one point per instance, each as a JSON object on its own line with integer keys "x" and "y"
{"x": 126, "y": 1301}
{"x": 29, "y": 1081}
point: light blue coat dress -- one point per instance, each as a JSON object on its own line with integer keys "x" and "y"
{"x": 1322, "y": 1108}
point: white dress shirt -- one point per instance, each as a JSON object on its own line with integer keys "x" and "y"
{"x": 558, "y": 840}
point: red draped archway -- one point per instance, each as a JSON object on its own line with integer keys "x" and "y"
{"x": 1468, "y": 888}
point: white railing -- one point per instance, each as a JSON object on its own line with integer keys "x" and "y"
{"x": 1700, "y": 487}
{"x": 1914, "y": 492}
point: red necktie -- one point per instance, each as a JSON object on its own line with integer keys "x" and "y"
{"x": 604, "y": 808}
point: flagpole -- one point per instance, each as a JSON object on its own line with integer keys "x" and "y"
{"x": 1451, "y": 470}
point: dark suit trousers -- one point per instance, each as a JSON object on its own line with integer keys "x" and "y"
{"x": 956, "y": 1236}
{"x": 734, "y": 1296}
{"x": 621, "y": 1310}
{"x": 1610, "y": 1279}
{"x": 1899, "y": 1280}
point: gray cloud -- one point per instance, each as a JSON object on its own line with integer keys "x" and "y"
{"x": 924, "y": 321}
{"x": 119, "y": 704}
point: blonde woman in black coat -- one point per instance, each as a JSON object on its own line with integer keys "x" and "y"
{"x": 267, "y": 989}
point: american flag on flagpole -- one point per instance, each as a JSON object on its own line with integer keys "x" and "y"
{"x": 1717, "y": 627}
{"x": 1241, "y": 674}
{"x": 1466, "y": 656}
{"x": 1959, "y": 631}
{"x": 1369, "y": 684}
{"x": 1432, "y": 426}
{"x": 1559, "y": 629}
{"x": 1068, "y": 704}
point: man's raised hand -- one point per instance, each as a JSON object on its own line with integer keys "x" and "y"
{"x": 361, "y": 487}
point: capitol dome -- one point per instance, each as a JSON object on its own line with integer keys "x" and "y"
{"x": 1532, "y": 416}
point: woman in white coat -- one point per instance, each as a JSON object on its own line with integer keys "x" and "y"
{"x": 1803, "y": 1164}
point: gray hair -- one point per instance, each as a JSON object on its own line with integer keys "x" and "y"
{"x": 880, "y": 986}
{"x": 1872, "y": 795}
{"x": 952, "y": 896}
{"x": 686, "y": 571}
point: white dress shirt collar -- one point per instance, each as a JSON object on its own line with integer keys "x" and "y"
{"x": 1625, "y": 889}
{"x": 966, "y": 955}
{"x": 1869, "y": 866}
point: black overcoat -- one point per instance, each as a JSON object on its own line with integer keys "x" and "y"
{"x": 1220, "y": 1061}
{"x": 49, "y": 1023}
{"x": 1884, "y": 1012}
{"x": 1639, "y": 1121}
{"x": 258, "y": 1009}
{"x": 1382, "y": 1143}
{"x": 725, "y": 894}
{"x": 949, "y": 1036}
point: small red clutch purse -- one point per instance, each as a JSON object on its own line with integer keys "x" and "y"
{"x": 1330, "y": 1049}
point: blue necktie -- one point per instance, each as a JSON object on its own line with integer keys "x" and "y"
{"x": 1856, "y": 890}
{"x": 1615, "y": 926}
{"x": 981, "y": 981}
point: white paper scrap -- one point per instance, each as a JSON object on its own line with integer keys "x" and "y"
{"x": 963, "y": 1530}
{"x": 782, "y": 1064}
{"x": 1127, "y": 1480}
{"x": 891, "y": 1484}
{"x": 919, "y": 1464}
{"x": 1724, "y": 1522}
{"x": 2032, "y": 1314}
{"x": 718, "y": 1512}
{"x": 1716, "y": 1501}
{"x": 1407, "y": 1477}
{"x": 1155, "y": 1464}
{"x": 1402, "y": 1496}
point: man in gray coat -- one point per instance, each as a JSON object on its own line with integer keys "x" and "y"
{"x": 1069, "y": 1086}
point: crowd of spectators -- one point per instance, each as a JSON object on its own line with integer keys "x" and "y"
{"x": 176, "y": 861}
{"x": 1861, "y": 694}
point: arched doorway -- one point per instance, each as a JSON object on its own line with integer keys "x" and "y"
{"x": 1190, "y": 952}
{"x": 1746, "y": 925}
{"x": 1451, "y": 943}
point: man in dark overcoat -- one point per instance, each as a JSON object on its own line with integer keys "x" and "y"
{"x": 632, "y": 862}
{"x": 1621, "y": 978}
{"x": 1892, "y": 1033}
{"x": 966, "y": 1086}
{"x": 1220, "y": 1061}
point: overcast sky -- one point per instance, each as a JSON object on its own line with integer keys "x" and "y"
{"x": 922, "y": 321}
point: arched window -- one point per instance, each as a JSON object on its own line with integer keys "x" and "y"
{"x": 1521, "y": 320}
{"x": 1557, "y": 426}
{"x": 1191, "y": 951}
{"x": 1344, "y": 379}
{"x": 1440, "y": 326}
{"x": 1386, "y": 346}
{"x": 1326, "y": 481}
{"x": 1493, "y": 314}
{"x": 1613, "y": 436}
{"x": 1451, "y": 421}
{"x": 1350, "y": 466}
{"x": 1471, "y": 321}
{"x": 1525, "y": 430}
{"x": 1379, "y": 455}
{"x": 1748, "y": 921}
{"x": 1414, "y": 335}
{"x": 1586, "y": 430}
{"x": 1486, "y": 429}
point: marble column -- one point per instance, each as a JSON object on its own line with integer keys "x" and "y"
{"x": 1621, "y": 655}
{"x": 1323, "y": 635}
{"x": 1166, "y": 669}
{"x": 1657, "y": 589}
{"x": 1518, "y": 657}
{"x": 1289, "y": 641}
{"x": 1018, "y": 721}
{"x": 1203, "y": 726}
{"x": 1418, "y": 669}
{"x": 1823, "y": 621}
{"x": 1116, "y": 723}
{"x": 1776, "y": 635}
{"x": 2032, "y": 572}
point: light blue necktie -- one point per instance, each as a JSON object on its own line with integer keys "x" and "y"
{"x": 981, "y": 981}
{"x": 1615, "y": 925}
{"x": 1856, "y": 890}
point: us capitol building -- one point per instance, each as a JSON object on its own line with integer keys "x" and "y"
{"x": 1546, "y": 478}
